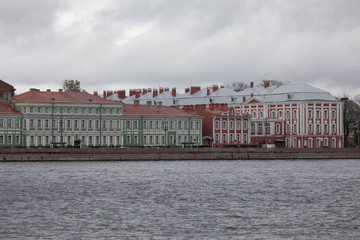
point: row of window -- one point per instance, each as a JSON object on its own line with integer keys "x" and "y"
{"x": 231, "y": 138}
{"x": 310, "y": 143}
{"x": 10, "y": 123}
{"x": 160, "y": 140}
{"x": 71, "y": 110}
{"x": 72, "y": 124}
{"x": 9, "y": 139}
{"x": 87, "y": 140}
{"x": 169, "y": 125}
{"x": 231, "y": 125}
{"x": 294, "y": 114}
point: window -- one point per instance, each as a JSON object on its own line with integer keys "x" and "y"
{"x": 273, "y": 114}
{"x": 136, "y": 139}
{"x": 294, "y": 114}
{"x": 294, "y": 128}
{"x": 145, "y": 139}
{"x": 151, "y": 125}
{"x": 144, "y": 125}
{"x": 39, "y": 140}
{"x": 287, "y": 114}
{"x": 326, "y": 129}
{"x": 97, "y": 122}
{"x": 261, "y": 114}
{"x": 128, "y": 124}
{"x": 90, "y": 124}
{"x": 82, "y": 123}
{"x": 46, "y": 123}
{"x": 224, "y": 125}
{"x": 333, "y": 129}
{"x": 245, "y": 125}
{"x": 1, "y": 139}
{"x": 267, "y": 128}
{"x": 254, "y": 114}
{"x": 224, "y": 138}
{"x": 231, "y": 137}
{"x": 238, "y": 137}
{"x": 32, "y": 140}
{"x": 31, "y": 123}
{"x": 326, "y": 142}
{"x": 294, "y": 142}
{"x": 76, "y": 124}
{"x": 104, "y": 124}
{"x": 333, "y": 114}
{"x": 310, "y": 143}
{"x": 310, "y": 113}
{"x": 191, "y": 125}
{"x": 245, "y": 138}
{"x": 179, "y": 125}
{"x": 231, "y": 125}
{"x": 217, "y": 125}
{"x": 9, "y": 121}
{"x": 17, "y": 123}
{"x": 317, "y": 128}
{"x": 157, "y": 139}
{"x": 39, "y": 123}
{"x": 260, "y": 128}
{"x": 128, "y": 139}
{"x": 280, "y": 114}
{"x": 135, "y": 124}
{"x": 334, "y": 143}
{"x": 277, "y": 128}
{"x": 253, "y": 128}
{"x": 17, "y": 139}
{"x": 310, "y": 128}
{"x": 68, "y": 123}
{"x": 157, "y": 125}
{"x": 171, "y": 124}
{"x": 326, "y": 114}
{"x": 238, "y": 125}
{"x": 151, "y": 140}
{"x": 317, "y": 113}
{"x": 197, "y": 125}
{"x": 287, "y": 128}
{"x": 104, "y": 139}
{"x": 110, "y": 124}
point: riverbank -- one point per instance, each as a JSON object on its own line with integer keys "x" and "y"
{"x": 142, "y": 154}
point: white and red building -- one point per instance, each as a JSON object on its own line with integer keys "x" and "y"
{"x": 290, "y": 115}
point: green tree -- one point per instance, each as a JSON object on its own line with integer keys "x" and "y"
{"x": 72, "y": 86}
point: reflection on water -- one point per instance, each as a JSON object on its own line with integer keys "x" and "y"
{"x": 181, "y": 200}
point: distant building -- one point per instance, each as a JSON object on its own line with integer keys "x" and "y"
{"x": 49, "y": 119}
{"x": 290, "y": 115}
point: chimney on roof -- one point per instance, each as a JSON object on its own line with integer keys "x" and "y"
{"x": 251, "y": 84}
{"x": 145, "y": 91}
{"x": 109, "y": 93}
{"x": 266, "y": 84}
{"x": 161, "y": 90}
{"x": 104, "y": 94}
{"x": 95, "y": 93}
{"x": 149, "y": 90}
{"x": 252, "y": 95}
{"x": 187, "y": 90}
{"x": 244, "y": 99}
{"x": 207, "y": 91}
{"x": 222, "y": 86}
{"x": 155, "y": 93}
{"x": 137, "y": 93}
{"x": 173, "y": 92}
{"x": 121, "y": 94}
{"x": 167, "y": 89}
{"x": 131, "y": 92}
{"x": 194, "y": 89}
{"x": 215, "y": 88}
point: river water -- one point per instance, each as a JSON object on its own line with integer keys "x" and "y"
{"x": 180, "y": 200}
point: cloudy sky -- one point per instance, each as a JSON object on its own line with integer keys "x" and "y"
{"x": 123, "y": 44}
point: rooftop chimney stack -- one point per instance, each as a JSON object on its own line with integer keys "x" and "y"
{"x": 215, "y": 88}
{"x": 104, "y": 94}
{"x": 173, "y": 92}
{"x": 95, "y": 93}
{"x": 266, "y": 84}
{"x": 161, "y": 90}
{"x": 187, "y": 90}
{"x": 155, "y": 93}
{"x": 251, "y": 84}
{"x": 121, "y": 94}
{"x": 194, "y": 89}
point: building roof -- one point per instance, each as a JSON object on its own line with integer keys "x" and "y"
{"x": 154, "y": 111}
{"x": 59, "y": 97}
{"x": 6, "y": 108}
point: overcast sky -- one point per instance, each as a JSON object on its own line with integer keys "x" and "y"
{"x": 123, "y": 44}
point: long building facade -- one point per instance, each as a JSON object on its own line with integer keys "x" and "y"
{"x": 50, "y": 119}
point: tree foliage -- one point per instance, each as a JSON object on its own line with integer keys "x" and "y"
{"x": 72, "y": 86}
{"x": 351, "y": 119}
{"x": 237, "y": 86}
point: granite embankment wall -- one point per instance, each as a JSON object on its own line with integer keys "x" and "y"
{"x": 112, "y": 154}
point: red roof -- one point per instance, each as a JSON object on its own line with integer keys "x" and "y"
{"x": 6, "y": 108}
{"x": 59, "y": 97}
{"x": 154, "y": 111}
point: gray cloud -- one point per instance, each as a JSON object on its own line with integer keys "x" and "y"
{"x": 146, "y": 43}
